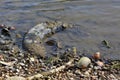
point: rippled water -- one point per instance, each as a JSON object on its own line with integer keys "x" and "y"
{"x": 97, "y": 20}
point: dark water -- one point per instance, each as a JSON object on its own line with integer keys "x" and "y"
{"x": 97, "y": 20}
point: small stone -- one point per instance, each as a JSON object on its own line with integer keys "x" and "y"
{"x": 74, "y": 50}
{"x": 12, "y": 28}
{"x": 93, "y": 77}
{"x": 87, "y": 74}
{"x": 96, "y": 55}
{"x": 59, "y": 45}
{"x": 2, "y": 25}
{"x": 78, "y": 72}
{"x": 68, "y": 49}
{"x": 17, "y": 70}
{"x": 96, "y": 67}
{"x": 32, "y": 59}
{"x": 1, "y": 57}
{"x": 18, "y": 36}
{"x": 22, "y": 64}
{"x": 72, "y": 79}
{"x": 100, "y": 63}
{"x": 21, "y": 55}
{"x": 91, "y": 66}
{"x": 65, "y": 25}
{"x": 84, "y": 62}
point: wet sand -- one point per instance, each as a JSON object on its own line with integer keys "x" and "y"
{"x": 95, "y": 21}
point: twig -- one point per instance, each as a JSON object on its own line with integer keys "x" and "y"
{"x": 51, "y": 71}
{"x": 7, "y": 63}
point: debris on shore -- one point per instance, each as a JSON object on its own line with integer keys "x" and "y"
{"x": 17, "y": 64}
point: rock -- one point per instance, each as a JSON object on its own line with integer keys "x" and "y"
{"x": 84, "y": 62}
{"x": 77, "y": 72}
{"x": 12, "y": 28}
{"x": 93, "y": 77}
{"x": 18, "y": 36}
{"x": 22, "y": 64}
{"x": 100, "y": 63}
{"x": 2, "y": 25}
{"x": 16, "y": 78}
{"x": 1, "y": 57}
{"x": 97, "y": 68}
{"x": 59, "y": 45}
{"x": 106, "y": 44}
{"x": 87, "y": 74}
{"x": 96, "y": 55}
{"x": 74, "y": 49}
{"x": 32, "y": 59}
{"x": 66, "y": 25}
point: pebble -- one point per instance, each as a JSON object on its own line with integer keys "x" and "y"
{"x": 96, "y": 67}
{"x": 87, "y": 74}
{"x": 1, "y": 57}
{"x": 93, "y": 77}
{"x": 17, "y": 70}
{"x": 12, "y": 28}
{"x": 78, "y": 72}
{"x": 100, "y": 63}
{"x": 2, "y": 25}
{"x": 32, "y": 59}
{"x": 59, "y": 45}
{"x": 84, "y": 62}
{"x": 18, "y": 36}
{"x": 22, "y": 64}
{"x": 97, "y": 55}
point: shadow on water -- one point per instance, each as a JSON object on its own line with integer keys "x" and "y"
{"x": 96, "y": 20}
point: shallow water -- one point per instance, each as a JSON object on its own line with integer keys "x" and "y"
{"x": 96, "y": 20}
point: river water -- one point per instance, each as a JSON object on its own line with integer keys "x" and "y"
{"x": 96, "y": 20}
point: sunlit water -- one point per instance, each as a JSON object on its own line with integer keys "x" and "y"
{"x": 96, "y": 20}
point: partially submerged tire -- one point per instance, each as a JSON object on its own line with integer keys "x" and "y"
{"x": 34, "y": 39}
